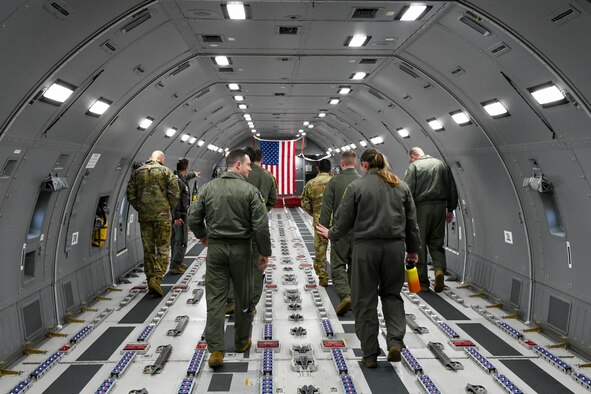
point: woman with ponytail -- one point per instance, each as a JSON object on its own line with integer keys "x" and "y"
{"x": 379, "y": 209}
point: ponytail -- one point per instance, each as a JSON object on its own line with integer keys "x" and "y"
{"x": 376, "y": 159}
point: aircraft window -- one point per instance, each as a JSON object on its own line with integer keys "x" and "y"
{"x": 552, "y": 214}
{"x": 8, "y": 168}
{"x": 39, "y": 214}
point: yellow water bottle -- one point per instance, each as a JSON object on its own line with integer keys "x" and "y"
{"x": 412, "y": 277}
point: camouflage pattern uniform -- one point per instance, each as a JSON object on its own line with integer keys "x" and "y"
{"x": 312, "y": 204}
{"x": 153, "y": 191}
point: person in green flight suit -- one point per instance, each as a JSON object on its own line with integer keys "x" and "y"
{"x": 312, "y": 203}
{"x": 434, "y": 191}
{"x": 379, "y": 210}
{"x": 153, "y": 191}
{"x": 228, "y": 216}
{"x": 340, "y": 251}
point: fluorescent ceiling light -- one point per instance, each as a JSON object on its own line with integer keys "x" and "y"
{"x": 212, "y": 147}
{"x": 328, "y": 152}
{"x": 253, "y": 131}
{"x": 145, "y": 123}
{"x": 358, "y": 75}
{"x": 334, "y": 101}
{"x": 377, "y": 140}
{"x": 460, "y": 118}
{"x": 547, "y": 94}
{"x": 220, "y": 150}
{"x": 242, "y": 106}
{"x": 344, "y": 90}
{"x": 251, "y": 124}
{"x": 310, "y": 126}
{"x": 413, "y": 12}
{"x": 345, "y": 148}
{"x": 257, "y": 134}
{"x": 322, "y": 114}
{"x": 338, "y": 150}
{"x": 403, "y": 133}
{"x": 226, "y": 149}
{"x": 236, "y": 10}
{"x": 363, "y": 143}
{"x": 233, "y": 86}
{"x": 185, "y": 137}
{"x": 192, "y": 140}
{"x": 306, "y": 123}
{"x": 246, "y": 116}
{"x": 353, "y": 146}
{"x": 300, "y": 130}
{"x": 495, "y": 108}
{"x": 222, "y": 61}
{"x": 435, "y": 124}
{"x": 330, "y": 149}
{"x": 358, "y": 40}
{"x": 99, "y": 107}
{"x": 304, "y": 133}
{"x": 239, "y": 98}
{"x": 58, "y": 92}
{"x": 170, "y": 132}
{"x": 200, "y": 143}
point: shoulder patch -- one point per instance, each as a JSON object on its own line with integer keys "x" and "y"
{"x": 261, "y": 196}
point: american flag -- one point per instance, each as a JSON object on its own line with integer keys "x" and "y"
{"x": 279, "y": 159}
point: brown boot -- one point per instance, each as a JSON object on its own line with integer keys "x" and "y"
{"x": 394, "y": 354}
{"x": 245, "y": 347}
{"x": 183, "y": 266}
{"x": 344, "y": 306}
{"x": 439, "y": 281}
{"x": 176, "y": 270}
{"x": 370, "y": 361}
{"x": 154, "y": 286}
{"x": 216, "y": 360}
{"x": 229, "y": 309}
{"x": 323, "y": 282}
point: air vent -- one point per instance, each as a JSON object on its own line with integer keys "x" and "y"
{"x": 515, "y": 298}
{"x": 558, "y": 313}
{"x": 68, "y": 295}
{"x": 279, "y": 94}
{"x": 290, "y": 30}
{"x": 457, "y": 71}
{"x": 428, "y": 86}
{"x": 364, "y": 13}
{"x": 180, "y": 68}
{"x": 499, "y": 49}
{"x": 211, "y": 39}
{"x": 564, "y": 15}
{"x": 473, "y": 21}
{"x": 226, "y": 69}
{"x": 216, "y": 110}
{"x": 136, "y": 20}
{"x": 376, "y": 94}
{"x": 32, "y": 319}
{"x": 59, "y": 9}
{"x": 139, "y": 69}
{"x": 407, "y": 69}
{"x": 108, "y": 47}
{"x": 368, "y": 61}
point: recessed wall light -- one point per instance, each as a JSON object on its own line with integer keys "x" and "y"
{"x": 334, "y": 101}
{"x": 495, "y": 108}
{"x": 58, "y": 92}
{"x": 353, "y": 146}
{"x": 547, "y": 94}
{"x": 236, "y": 10}
{"x": 185, "y": 137}
{"x": 363, "y": 143}
{"x": 239, "y": 98}
{"x": 99, "y": 107}
{"x": 253, "y": 131}
{"x": 222, "y": 60}
{"x": 359, "y": 75}
{"x": 310, "y": 126}
{"x": 170, "y": 132}
{"x": 460, "y": 117}
{"x": 322, "y": 114}
{"x": 377, "y": 140}
{"x": 306, "y": 123}
{"x": 435, "y": 124}
{"x": 233, "y": 86}
{"x": 145, "y": 123}
{"x": 242, "y": 106}
{"x": 344, "y": 90}
{"x": 412, "y": 12}
{"x": 200, "y": 143}
{"x": 403, "y": 133}
{"x": 356, "y": 41}
{"x": 192, "y": 140}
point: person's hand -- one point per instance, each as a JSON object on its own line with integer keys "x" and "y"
{"x": 412, "y": 257}
{"x": 263, "y": 260}
{"x": 179, "y": 222}
{"x": 198, "y": 174}
{"x": 322, "y": 231}
{"x": 449, "y": 216}
{"x": 204, "y": 241}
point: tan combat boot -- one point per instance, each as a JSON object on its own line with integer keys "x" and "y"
{"x": 344, "y": 306}
{"x": 154, "y": 286}
{"x": 177, "y": 270}
{"x": 245, "y": 347}
{"x": 216, "y": 360}
{"x": 439, "y": 281}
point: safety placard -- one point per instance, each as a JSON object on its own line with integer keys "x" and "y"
{"x": 93, "y": 160}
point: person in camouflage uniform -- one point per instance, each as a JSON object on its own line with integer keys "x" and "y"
{"x": 153, "y": 191}
{"x": 340, "y": 250}
{"x": 228, "y": 217}
{"x": 312, "y": 203}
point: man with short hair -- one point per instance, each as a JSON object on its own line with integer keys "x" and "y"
{"x": 340, "y": 251}
{"x": 311, "y": 203}
{"x": 153, "y": 191}
{"x": 228, "y": 216}
{"x": 180, "y": 236}
{"x": 434, "y": 192}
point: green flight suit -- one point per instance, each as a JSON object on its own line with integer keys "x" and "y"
{"x": 231, "y": 214}
{"x": 340, "y": 251}
{"x": 434, "y": 190}
{"x": 312, "y": 203}
{"x": 153, "y": 191}
{"x": 383, "y": 221}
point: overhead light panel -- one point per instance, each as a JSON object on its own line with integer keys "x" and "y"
{"x": 170, "y": 132}
{"x": 304, "y": 133}
{"x": 251, "y": 124}
{"x": 495, "y": 108}
{"x": 257, "y": 134}
{"x": 185, "y": 137}
{"x": 435, "y": 124}
{"x": 242, "y": 106}
{"x": 344, "y": 90}
{"x": 306, "y": 123}
{"x": 460, "y": 118}
{"x": 403, "y": 133}
{"x": 377, "y": 140}
{"x": 246, "y": 116}
{"x": 236, "y": 10}
{"x": 212, "y": 147}
{"x": 358, "y": 40}
{"x": 330, "y": 149}
{"x": 547, "y": 94}
{"x": 363, "y": 143}
{"x": 358, "y": 76}
{"x": 300, "y": 130}
{"x": 334, "y": 101}
{"x": 200, "y": 143}
{"x": 192, "y": 140}
{"x": 239, "y": 98}
{"x": 353, "y": 146}
{"x": 233, "y": 86}
{"x": 322, "y": 114}
{"x": 222, "y": 60}
{"x": 99, "y": 107}
{"x": 412, "y": 12}
{"x": 253, "y": 131}
{"x": 58, "y": 92}
{"x": 145, "y": 123}
{"x": 310, "y": 126}
{"x": 220, "y": 150}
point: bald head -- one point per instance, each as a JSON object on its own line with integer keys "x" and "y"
{"x": 158, "y": 156}
{"x": 415, "y": 153}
